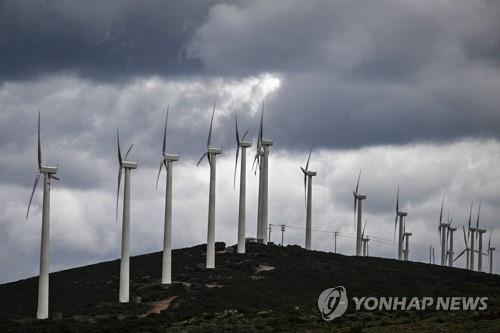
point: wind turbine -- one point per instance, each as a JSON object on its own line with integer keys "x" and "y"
{"x": 466, "y": 250}
{"x": 211, "y": 155}
{"x": 259, "y": 155}
{"x": 402, "y": 217}
{"x": 308, "y": 193}
{"x": 472, "y": 238}
{"x": 125, "y": 258}
{"x": 167, "y": 161}
{"x": 358, "y": 203}
{"x": 243, "y": 145}
{"x": 450, "y": 252}
{"x": 365, "y": 240}
{"x": 442, "y": 227}
{"x": 406, "y": 240}
{"x": 262, "y": 159}
{"x": 490, "y": 253}
{"x": 43, "y": 279}
{"x": 479, "y": 235}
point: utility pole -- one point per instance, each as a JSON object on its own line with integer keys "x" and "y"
{"x": 282, "y": 233}
{"x": 335, "y": 241}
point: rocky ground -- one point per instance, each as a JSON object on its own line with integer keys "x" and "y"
{"x": 270, "y": 289}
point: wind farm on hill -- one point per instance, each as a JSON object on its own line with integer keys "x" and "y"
{"x": 472, "y": 233}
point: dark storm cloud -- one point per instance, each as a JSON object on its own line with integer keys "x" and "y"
{"x": 112, "y": 40}
{"x": 364, "y": 73}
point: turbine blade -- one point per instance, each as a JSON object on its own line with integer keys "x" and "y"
{"x": 457, "y": 257}
{"x": 236, "y": 165}
{"x": 305, "y": 188}
{"x": 395, "y": 226}
{"x": 118, "y": 191}
{"x": 440, "y": 235}
{"x": 397, "y": 211}
{"x": 470, "y": 213}
{"x": 308, "y": 158}
{"x": 244, "y": 135}
{"x": 37, "y": 178}
{"x": 357, "y": 184}
{"x": 128, "y": 151}
{"x": 237, "y": 132}
{"x": 55, "y": 177}
{"x": 39, "y": 144}
{"x": 363, "y": 233}
{"x": 201, "y": 158}
{"x": 261, "y": 130}
{"x": 256, "y": 160}
{"x": 119, "y": 150}
{"x": 355, "y": 206}
{"x": 441, "y": 213}
{"x": 489, "y": 241}
{"x": 478, "y": 212}
{"x": 465, "y": 237}
{"x": 165, "y": 133}
{"x": 159, "y": 171}
{"x": 397, "y": 201}
{"x": 209, "y": 140}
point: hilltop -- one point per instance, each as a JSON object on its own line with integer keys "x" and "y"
{"x": 270, "y": 288}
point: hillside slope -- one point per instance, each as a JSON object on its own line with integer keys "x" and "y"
{"x": 270, "y": 288}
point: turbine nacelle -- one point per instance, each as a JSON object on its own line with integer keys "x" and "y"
{"x": 359, "y": 196}
{"x": 407, "y": 234}
{"x": 451, "y": 229}
{"x": 402, "y": 213}
{"x": 481, "y": 231}
{"x": 215, "y": 151}
{"x": 49, "y": 170}
{"x": 171, "y": 157}
{"x": 245, "y": 144}
{"x": 266, "y": 142}
{"x": 309, "y": 173}
{"x": 129, "y": 165}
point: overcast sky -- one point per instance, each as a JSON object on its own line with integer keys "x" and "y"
{"x": 407, "y": 91}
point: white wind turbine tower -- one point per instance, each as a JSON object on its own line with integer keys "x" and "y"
{"x": 466, "y": 251}
{"x": 43, "y": 279}
{"x": 450, "y": 252}
{"x": 472, "y": 232}
{"x": 167, "y": 161}
{"x": 365, "y": 240}
{"x": 442, "y": 228}
{"x": 243, "y": 145}
{"x": 432, "y": 260}
{"x": 406, "y": 240}
{"x": 490, "y": 254}
{"x": 211, "y": 155}
{"x": 402, "y": 217}
{"x": 479, "y": 235}
{"x": 259, "y": 154}
{"x": 125, "y": 255}
{"x": 262, "y": 159}
{"x": 308, "y": 195}
{"x": 358, "y": 203}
